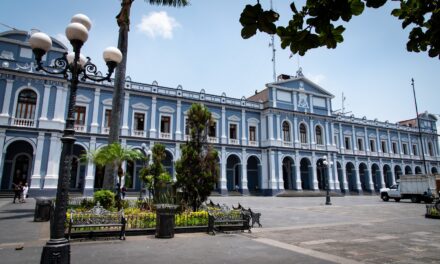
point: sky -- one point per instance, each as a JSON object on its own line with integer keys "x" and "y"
{"x": 200, "y": 47}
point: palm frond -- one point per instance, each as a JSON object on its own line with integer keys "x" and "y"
{"x": 175, "y": 3}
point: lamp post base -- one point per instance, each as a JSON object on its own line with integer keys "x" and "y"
{"x": 327, "y": 199}
{"x": 56, "y": 251}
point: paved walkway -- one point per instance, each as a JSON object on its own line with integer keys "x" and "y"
{"x": 355, "y": 229}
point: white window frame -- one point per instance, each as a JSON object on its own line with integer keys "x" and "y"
{"x": 290, "y": 131}
{"x": 372, "y": 146}
{"x": 162, "y": 134}
{"x": 231, "y": 140}
{"x": 105, "y": 129}
{"x": 384, "y": 150}
{"x": 253, "y": 123}
{"x": 307, "y": 133}
{"x": 322, "y": 135}
{"x": 79, "y": 128}
{"x": 405, "y": 147}
{"x": 394, "y": 144}
{"x": 135, "y": 132}
{"x": 349, "y": 147}
{"x": 431, "y": 151}
{"x": 416, "y": 153}
{"x": 362, "y": 146}
{"x": 37, "y": 106}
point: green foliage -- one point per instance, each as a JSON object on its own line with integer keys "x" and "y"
{"x": 197, "y": 170}
{"x": 87, "y": 203}
{"x": 164, "y": 198}
{"x": 315, "y": 24}
{"x": 105, "y": 197}
{"x": 433, "y": 211}
{"x": 154, "y": 175}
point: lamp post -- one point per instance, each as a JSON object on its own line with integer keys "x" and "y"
{"x": 325, "y": 163}
{"x": 73, "y": 67}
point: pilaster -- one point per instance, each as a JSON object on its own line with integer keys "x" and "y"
{"x": 314, "y": 176}
{"x": 178, "y": 134}
{"x": 280, "y": 172}
{"x": 224, "y": 138}
{"x": 4, "y": 116}
{"x": 36, "y": 173}
{"x": 124, "y": 129}
{"x": 90, "y": 173}
{"x": 243, "y": 127}
{"x": 298, "y": 171}
{"x": 2, "y": 151}
{"x": 45, "y": 106}
{"x": 244, "y": 181}
{"x": 153, "y": 131}
{"x": 94, "y": 126}
{"x": 51, "y": 178}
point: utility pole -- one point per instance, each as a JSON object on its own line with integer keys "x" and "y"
{"x": 418, "y": 124}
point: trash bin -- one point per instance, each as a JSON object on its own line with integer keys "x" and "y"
{"x": 165, "y": 220}
{"x": 43, "y": 209}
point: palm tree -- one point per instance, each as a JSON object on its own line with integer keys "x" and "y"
{"x": 123, "y": 20}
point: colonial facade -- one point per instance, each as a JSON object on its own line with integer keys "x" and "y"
{"x": 274, "y": 140}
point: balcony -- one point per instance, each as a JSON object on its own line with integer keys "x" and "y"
{"x": 253, "y": 143}
{"x": 320, "y": 147}
{"x": 233, "y": 141}
{"x": 80, "y": 128}
{"x": 139, "y": 133}
{"x": 288, "y": 144}
{"x": 164, "y": 135}
{"x": 213, "y": 140}
{"x": 21, "y": 122}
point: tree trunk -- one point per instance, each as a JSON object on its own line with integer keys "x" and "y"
{"x": 123, "y": 20}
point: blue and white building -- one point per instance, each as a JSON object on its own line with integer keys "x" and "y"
{"x": 269, "y": 142}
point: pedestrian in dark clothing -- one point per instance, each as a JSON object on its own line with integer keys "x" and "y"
{"x": 18, "y": 188}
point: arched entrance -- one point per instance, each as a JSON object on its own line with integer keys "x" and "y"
{"x": 340, "y": 176}
{"x": 17, "y": 164}
{"x": 375, "y": 173}
{"x": 387, "y": 175}
{"x": 434, "y": 170}
{"x": 99, "y": 176}
{"x": 288, "y": 173}
{"x": 418, "y": 170}
{"x": 351, "y": 177}
{"x": 78, "y": 171}
{"x": 131, "y": 178}
{"x": 168, "y": 163}
{"x": 253, "y": 174}
{"x": 320, "y": 174}
{"x": 397, "y": 172}
{"x": 408, "y": 170}
{"x": 233, "y": 175}
{"x": 364, "y": 177}
{"x": 306, "y": 174}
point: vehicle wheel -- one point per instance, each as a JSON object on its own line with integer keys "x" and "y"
{"x": 415, "y": 199}
{"x": 385, "y": 197}
{"x": 397, "y": 199}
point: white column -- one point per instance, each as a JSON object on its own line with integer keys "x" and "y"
{"x": 335, "y": 172}
{"x": 344, "y": 174}
{"x": 36, "y": 176}
{"x": 370, "y": 174}
{"x": 94, "y": 126}
{"x": 90, "y": 173}
{"x": 353, "y": 137}
{"x": 273, "y": 180}
{"x": 314, "y": 176}
{"x": 264, "y": 170}
{"x": 393, "y": 175}
{"x": 295, "y": 102}
{"x": 60, "y": 103}
{"x": 382, "y": 176}
{"x": 389, "y": 141}
{"x": 224, "y": 138}
{"x": 329, "y": 111}
{"x": 341, "y": 139}
{"x": 311, "y": 103}
{"x": 400, "y": 143}
{"x": 51, "y": 179}
{"x": 243, "y": 128}
{"x": 244, "y": 181}
{"x": 153, "y": 118}
{"x": 280, "y": 172}
{"x": 298, "y": 171}
{"x": 274, "y": 97}
{"x": 411, "y": 153}
{"x": 270, "y": 126}
{"x": 178, "y": 134}
{"x": 327, "y": 134}
{"x": 278, "y": 128}
{"x": 295, "y": 129}
{"x": 223, "y": 169}
{"x": 311, "y": 133}
{"x": 378, "y": 143}
{"x": 45, "y": 106}
{"x": 332, "y": 134}
{"x": 358, "y": 178}
{"x": 2, "y": 145}
{"x": 124, "y": 129}
{"x": 330, "y": 176}
{"x": 366, "y": 142}
{"x": 4, "y": 115}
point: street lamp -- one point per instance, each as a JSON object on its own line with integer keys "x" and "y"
{"x": 327, "y": 185}
{"x": 73, "y": 67}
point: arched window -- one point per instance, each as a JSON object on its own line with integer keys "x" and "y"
{"x": 26, "y": 104}
{"x": 286, "y": 131}
{"x": 318, "y": 133}
{"x": 303, "y": 133}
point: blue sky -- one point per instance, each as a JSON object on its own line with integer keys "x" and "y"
{"x": 200, "y": 47}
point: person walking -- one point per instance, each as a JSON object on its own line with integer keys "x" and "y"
{"x": 17, "y": 191}
{"x": 24, "y": 193}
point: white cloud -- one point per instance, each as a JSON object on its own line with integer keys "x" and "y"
{"x": 158, "y": 24}
{"x": 63, "y": 39}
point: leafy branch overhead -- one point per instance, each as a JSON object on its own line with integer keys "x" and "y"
{"x": 316, "y": 23}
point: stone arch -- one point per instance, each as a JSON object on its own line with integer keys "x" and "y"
{"x": 37, "y": 104}
{"x": 434, "y": 170}
{"x": 376, "y": 176}
{"x": 78, "y": 170}
{"x": 397, "y": 172}
{"x": 408, "y": 170}
{"x": 253, "y": 168}
{"x": 233, "y": 173}
{"x": 351, "y": 176}
{"x": 306, "y": 174}
{"x": 168, "y": 162}
{"x": 387, "y": 175}
{"x": 288, "y": 173}
{"x": 17, "y": 164}
{"x": 418, "y": 170}
{"x": 364, "y": 177}
{"x": 15, "y": 139}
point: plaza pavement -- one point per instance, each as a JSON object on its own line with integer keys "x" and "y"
{"x": 355, "y": 229}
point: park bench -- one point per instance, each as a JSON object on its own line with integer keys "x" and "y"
{"x": 96, "y": 220}
{"x": 223, "y": 219}
{"x": 255, "y": 217}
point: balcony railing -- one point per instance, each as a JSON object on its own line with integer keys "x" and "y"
{"x": 164, "y": 135}
{"x": 288, "y": 144}
{"x": 139, "y": 133}
{"x": 21, "y": 122}
{"x": 320, "y": 147}
{"x": 80, "y": 128}
{"x": 213, "y": 140}
{"x": 233, "y": 141}
{"x": 253, "y": 143}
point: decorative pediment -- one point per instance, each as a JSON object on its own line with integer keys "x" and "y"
{"x": 360, "y": 134}
{"x": 215, "y": 115}
{"x": 83, "y": 99}
{"x": 253, "y": 121}
{"x": 394, "y": 138}
{"x": 372, "y": 135}
{"x": 140, "y": 106}
{"x": 166, "y": 109}
{"x": 383, "y": 137}
{"x": 107, "y": 102}
{"x": 301, "y": 84}
{"x": 234, "y": 118}
{"x": 348, "y": 133}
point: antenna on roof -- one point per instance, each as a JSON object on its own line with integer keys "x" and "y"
{"x": 272, "y": 45}
{"x": 3, "y": 24}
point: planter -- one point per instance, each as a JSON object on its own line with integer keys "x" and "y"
{"x": 165, "y": 214}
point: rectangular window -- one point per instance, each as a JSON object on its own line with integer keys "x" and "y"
{"x": 252, "y": 133}
{"x": 360, "y": 144}
{"x": 187, "y": 132}
{"x": 212, "y": 130}
{"x": 372, "y": 145}
{"x": 107, "y": 120}
{"x": 80, "y": 115}
{"x": 232, "y": 131}
{"x": 347, "y": 142}
{"x": 414, "y": 147}
{"x": 336, "y": 138}
{"x": 139, "y": 121}
{"x": 394, "y": 145}
{"x": 165, "y": 124}
{"x": 383, "y": 144}
{"x": 405, "y": 149}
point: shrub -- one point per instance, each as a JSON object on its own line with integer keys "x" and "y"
{"x": 87, "y": 203}
{"x": 105, "y": 197}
